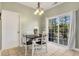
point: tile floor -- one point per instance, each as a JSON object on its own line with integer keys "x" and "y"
{"x": 0, "y": 53}
{"x": 53, "y": 50}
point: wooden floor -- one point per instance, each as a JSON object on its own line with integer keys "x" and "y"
{"x": 53, "y": 50}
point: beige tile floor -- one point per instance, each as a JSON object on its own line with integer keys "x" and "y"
{"x": 53, "y": 50}
{"x": 0, "y": 53}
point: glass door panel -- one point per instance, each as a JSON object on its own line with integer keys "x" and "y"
{"x": 50, "y": 30}
{"x": 64, "y": 29}
{"x": 59, "y": 29}
{"x": 53, "y": 30}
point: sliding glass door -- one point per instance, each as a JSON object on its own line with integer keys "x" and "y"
{"x": 53, "y": 30}
{"x": 64, "y": 24}
{"x": 59, "y": 29}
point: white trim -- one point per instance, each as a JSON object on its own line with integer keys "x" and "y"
{"x": 54, "y": 5}
{"x": 73, "y": 16}
{"x": 63, "y": 14}
{"x": 76, "y": 49}
{"x": 8, "y": 48}
{"x": 58, "y": 33}
{"x": 75, "y": 12}
{"x": 20, "y": 33}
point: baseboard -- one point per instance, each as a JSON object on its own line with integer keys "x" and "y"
{"x": 9, "y": 48}
{"x": 76, "y": 49}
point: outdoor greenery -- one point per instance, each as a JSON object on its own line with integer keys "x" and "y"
{"x": 63, "y": 23}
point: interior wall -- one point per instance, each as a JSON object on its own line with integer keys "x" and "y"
{"x": 77, "y": 30}
{"x": 28, "y": 21}
{"x": 0, "y": 29}
{"x": 42, "y": 23}
{"x": 27, "y": 17}
{"x": 0, "y": 32}
{"x": 63, "y": 8}
{"x": 0, "y": 5}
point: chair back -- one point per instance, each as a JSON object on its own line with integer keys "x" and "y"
{"x": 44, "y": 37}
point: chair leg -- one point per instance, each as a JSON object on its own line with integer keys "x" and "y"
{"x": 25, "y": 50}
{"x": 42, "y": 49}
{"x": 32, "y": 49}
{"x": 46, "y": 49}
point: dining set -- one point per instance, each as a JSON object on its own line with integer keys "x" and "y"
{"x": 36, "y": 42}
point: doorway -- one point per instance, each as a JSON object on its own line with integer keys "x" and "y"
{"x": 58, "y": 28}
{"x": 11, "y": 30}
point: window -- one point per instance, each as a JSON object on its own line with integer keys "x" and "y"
{"x": 59, "y": 29}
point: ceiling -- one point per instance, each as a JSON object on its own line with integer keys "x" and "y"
{"x": 44, "y": 5}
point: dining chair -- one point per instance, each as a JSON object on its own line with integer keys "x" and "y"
{"x": 27, "y": 43}
{"x": 39, "y": 43}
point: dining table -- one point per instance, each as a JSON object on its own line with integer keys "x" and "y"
{"x": 30, "y": 38}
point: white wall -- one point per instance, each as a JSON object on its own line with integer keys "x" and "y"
{"x": 0, "y": 33}
{"x": 0, "y": 29}
{"x": 65, "y": 7}
{"x": 28, "y": 19}
{"x": 0, "y": 6}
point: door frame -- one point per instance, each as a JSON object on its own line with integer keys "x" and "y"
{"x": 48, "y": 18}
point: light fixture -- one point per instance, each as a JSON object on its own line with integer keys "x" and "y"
{"x": 39, "y": 10}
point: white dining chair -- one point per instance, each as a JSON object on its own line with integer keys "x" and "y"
{"x": 39, "y": 44}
